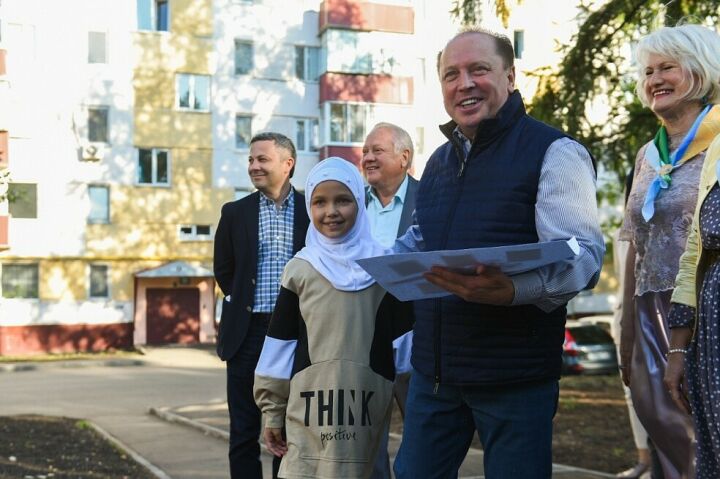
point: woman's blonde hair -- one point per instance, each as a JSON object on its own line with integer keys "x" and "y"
{"x": 695, "y": 48}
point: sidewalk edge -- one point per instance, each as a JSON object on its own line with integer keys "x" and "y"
{"x": 154, "y": 470}
{"x": 167, "y": 415}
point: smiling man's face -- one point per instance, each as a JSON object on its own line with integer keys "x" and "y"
{"x": 475, "y": 82}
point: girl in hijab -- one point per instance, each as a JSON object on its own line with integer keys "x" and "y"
{"x": 326, "y": 369}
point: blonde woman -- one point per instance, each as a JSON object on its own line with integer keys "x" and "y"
{"x": 678, "y": 81}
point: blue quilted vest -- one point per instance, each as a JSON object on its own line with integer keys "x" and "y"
{"x": 486, "y": 200}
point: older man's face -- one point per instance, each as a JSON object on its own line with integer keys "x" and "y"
{"x": 382, "y": 166}
{"x": 475, "y": 83}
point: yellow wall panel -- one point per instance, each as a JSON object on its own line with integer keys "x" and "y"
{"x": 169, "y": 128}
{"x": 191, "y": 17}
{"x": 145, "y": 223}
{"x": 172, "y": 52}
{"x": 154, "y": 88}
{"x": 63, "y": 279}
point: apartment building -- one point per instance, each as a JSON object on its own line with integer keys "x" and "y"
{"x": 126, "y": 128}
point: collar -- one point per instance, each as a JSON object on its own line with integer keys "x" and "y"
{"x": 491, "y": 128}
{"x": 399, "y": 194}
{"x": 708, "y": 130}
{"x": 285, "y": 201}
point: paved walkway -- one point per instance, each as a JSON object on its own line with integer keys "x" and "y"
{"x": 167, "y": 406}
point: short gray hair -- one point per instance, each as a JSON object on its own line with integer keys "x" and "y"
{"x": 695, "y": 48}
{"x": 401, "y": 139}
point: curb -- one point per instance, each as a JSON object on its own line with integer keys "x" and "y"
{"x": 17, "y": 367}
{"x": 154, "y": 470}
{"x": 82, "y": 363}
{"x": 167, "y": 415}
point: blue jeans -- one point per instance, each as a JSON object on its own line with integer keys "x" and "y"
{"x": 514, "y": 423}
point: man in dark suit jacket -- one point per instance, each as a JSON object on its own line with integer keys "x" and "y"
{"x": 390, "y": 200}
{"x": 256, "y": 236}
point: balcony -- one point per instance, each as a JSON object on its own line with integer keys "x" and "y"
{"x": 366, "y": 88}
{"x": 4, "y": 227}
{"x": 366, "y": 16}
{"x": 4, "y": 159}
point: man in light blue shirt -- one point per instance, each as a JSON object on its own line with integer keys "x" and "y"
{"x": 390, "y": 199}
{"x": 387, "y": 156}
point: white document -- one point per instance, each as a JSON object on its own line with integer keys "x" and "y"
{"x": 402, "y": 274}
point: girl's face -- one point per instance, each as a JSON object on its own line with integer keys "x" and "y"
{"x": 333, "y": 209}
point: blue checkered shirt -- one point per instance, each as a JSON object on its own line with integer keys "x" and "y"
{"x": 275, "y": 248}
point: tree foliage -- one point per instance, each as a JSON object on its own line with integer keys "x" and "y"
{"x": 471, "y": 12}
{"x": 596, "y": 72}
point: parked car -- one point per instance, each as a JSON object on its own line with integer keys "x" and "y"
{"x": 588, "y": 349}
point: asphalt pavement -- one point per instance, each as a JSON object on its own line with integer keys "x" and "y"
{"x": 166, "y": 407}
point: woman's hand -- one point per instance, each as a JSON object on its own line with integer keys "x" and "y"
{"x": 675, "y": 381}
{"x": 274, "y": 441}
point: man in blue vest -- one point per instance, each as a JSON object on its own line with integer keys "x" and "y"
{"x": 487, "y": 358}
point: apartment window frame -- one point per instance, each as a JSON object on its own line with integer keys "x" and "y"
{"x": 239, "y": 69}
{"x": 519, "y": 43}
{"x": 32, "y": 291}
{"x": 305, "y": 54}
{"x": 310, "y": 131}
{"x": 192, "y": 232}
{"x": 192, "y": 92}
{"x": 23, "y": 203}
{"x": 154, "y": 17}
{"x": 91, "y": 59}
{"x": 154, "y": 182}
{"x": 248, "y": 134}
{"x": 91, "y": 137}
{"x": 347, "y": 137}
{"x": 105, "y": 293}
{"x": 99, "y": 219}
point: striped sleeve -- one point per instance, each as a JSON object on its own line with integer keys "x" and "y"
{"x": 274, "y": 368}
{"x": 566, "y": 206}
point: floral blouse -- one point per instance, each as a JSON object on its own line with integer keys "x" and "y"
{"x": 660, "y": 241}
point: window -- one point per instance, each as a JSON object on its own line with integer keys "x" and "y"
{"x": 519, "y": 43}
{"x": 243, "y": 57}
{"x": 99, "y": 287}
{"x": 22, "y": 198}
{"x": 99, "y": 196}
{"x": 243, "y": 131}
{"x": 19, "y": 280}
{"x": 307, "y": 63}
{"x": 153, "y": 167}
{"x": 193, "y": 92}
{"x": 348, "y": 122}
{"x": 195, "y": 232}
{"x": 153, "y": 15}
{"x": 97, "y": 47}
{"x": 98, "y": 124}
{"x": 306, "y": 134}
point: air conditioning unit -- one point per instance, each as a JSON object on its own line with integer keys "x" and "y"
{"x": 93, "y": 152}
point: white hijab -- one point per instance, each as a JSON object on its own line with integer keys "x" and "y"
{"x": 335, "y": 258}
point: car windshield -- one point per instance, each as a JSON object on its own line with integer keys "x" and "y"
{"x": 590, "y": 334}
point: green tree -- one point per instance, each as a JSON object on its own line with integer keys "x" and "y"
{"x": 470, "y": 12}
{"x": 596, "y": 69}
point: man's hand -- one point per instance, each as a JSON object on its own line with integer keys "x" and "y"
{"x": 274, "y": 441}
{"x": 675, "y": 381}
{"x": 487, "y": 284}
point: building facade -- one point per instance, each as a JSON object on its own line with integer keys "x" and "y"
{"x": 125, "y": 129}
